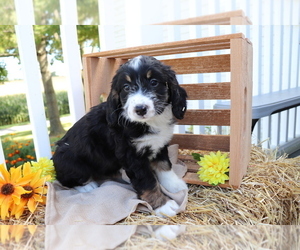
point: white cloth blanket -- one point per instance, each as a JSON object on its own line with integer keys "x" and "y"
{"x": 111, "y": 202}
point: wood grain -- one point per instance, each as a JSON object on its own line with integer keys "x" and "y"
{"x": 241, "y": 94}
{"x": 202, "y": 142}
{"x": 192, "y": 178}
{"x": 217, "y": 117}
{"x": 202, "y": 64}
{"x": 208, "y": 91}
{"x": 169, "y": 48}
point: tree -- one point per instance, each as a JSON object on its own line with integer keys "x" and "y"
{"x": 3, "y": 73}
{"x": 47, "y": 38}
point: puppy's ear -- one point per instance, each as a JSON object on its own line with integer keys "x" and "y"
{"x": 113, "y": 103}
{"x": 178, "y": 95}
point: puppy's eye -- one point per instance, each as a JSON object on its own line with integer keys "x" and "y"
{"x": 153, "y": 82}
{"x": 126, "y": 87}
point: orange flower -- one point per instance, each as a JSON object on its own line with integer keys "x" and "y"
{"x": 10, "y": 188}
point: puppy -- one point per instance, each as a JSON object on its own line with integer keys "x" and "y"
{"x": 130, "y": 131}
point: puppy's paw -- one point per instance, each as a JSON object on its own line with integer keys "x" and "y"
{"x": 167, "y": 210}
{"x": 168, "y": 232}
{"x": 87, "y": 188}
{"x": 176, "y": 185}
{"x": 170, "y": 181}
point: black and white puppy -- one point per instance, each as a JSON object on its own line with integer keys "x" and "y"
{"x": 130, "y": 131}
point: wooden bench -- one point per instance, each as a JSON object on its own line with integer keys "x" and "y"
{"x": 272, "y": 103}
{"x": 99, "y": 69}
{"x": 235, "y": 17}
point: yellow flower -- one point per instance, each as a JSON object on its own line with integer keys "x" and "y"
{"x": 36, "y": 190}
{"x": 11, "y": 188}
{"x": 4, "y": 233}
{"x": 46, "y": 166}
{"x": 214, "y": 168}
{"x": 15, "y": 232}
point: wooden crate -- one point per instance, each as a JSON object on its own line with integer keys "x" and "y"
{"x": 99, "y": 69}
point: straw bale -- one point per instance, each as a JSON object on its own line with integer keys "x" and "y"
{"x": 269, "y": 194}
{"x": 222, "y": 237}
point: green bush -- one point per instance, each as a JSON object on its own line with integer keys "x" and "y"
{"x": 13, "y": 108}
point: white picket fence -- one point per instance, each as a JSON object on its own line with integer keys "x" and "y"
{"x": 275, "y": 35}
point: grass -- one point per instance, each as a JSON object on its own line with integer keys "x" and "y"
{"x": 24, "y": 135}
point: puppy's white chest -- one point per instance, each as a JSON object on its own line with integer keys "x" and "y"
{"x": 161, "y": 127}
{"x": 154, "y": 141}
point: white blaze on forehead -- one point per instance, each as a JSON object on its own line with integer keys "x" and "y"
{"x": 135, "y": 62}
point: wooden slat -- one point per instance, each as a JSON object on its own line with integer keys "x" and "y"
{"x": 179, "y": 50}
{"x": 208, "y": 91}
{"x": 98, "y": 75}
{"x": 241, "y": 96}
{"x": 202, "y": 142}
{"x": 192, "y": 167}
{"x": 169, "y": 48}
{"x": 203, "y": 64}
{"x": 212, "y": 117}
{"x": 192, "y": 178}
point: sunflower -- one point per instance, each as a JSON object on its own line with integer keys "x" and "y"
{"x": 214, "y": 168}
{"x": 36, "y": 191}
{"x": 11, "y": 188}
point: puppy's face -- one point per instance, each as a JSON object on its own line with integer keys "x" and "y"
{"x": 144, "y": 92}
{"x": 142, "y": 88}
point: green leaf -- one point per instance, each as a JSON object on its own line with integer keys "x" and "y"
{"x": 196, "y": 156}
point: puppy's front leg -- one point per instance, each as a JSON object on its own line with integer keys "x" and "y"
{"x": 148, "y": 189}
{"x": 165, "y": 174}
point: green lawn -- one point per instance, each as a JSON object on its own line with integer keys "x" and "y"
{"x": 25, "y": 135}
{"x": 19, "y": 147}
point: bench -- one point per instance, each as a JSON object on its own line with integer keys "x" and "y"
{"x": 269, "y": 104}
{"x": 235, "y": 17}
{"x": 99, "y": 68}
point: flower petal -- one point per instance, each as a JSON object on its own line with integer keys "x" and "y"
{"x": 4, "y": 173}
{"x": 31, "y": 205}
{"x": 32, "y": 229}
{"x": 26, "y": 168}
{"x": 5, "y": 206}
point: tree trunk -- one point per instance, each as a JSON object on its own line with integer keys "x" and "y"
{"x": 56, "y": 127}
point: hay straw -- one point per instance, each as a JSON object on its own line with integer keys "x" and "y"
{"x": 269, "y": 194}
{"x": 219, "y": 218}
{"x": 222, "y": 237}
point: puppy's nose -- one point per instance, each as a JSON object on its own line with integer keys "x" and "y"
{"x": 141, "y": 109}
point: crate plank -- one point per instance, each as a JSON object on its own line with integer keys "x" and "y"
{"x": 213, "y": 117}
{"x": 240, "y": 129}
{"x": 202, "y": 142}
{"x": 203, "y": 64}
{"x": 192, "y": 178}
{"x": 98, "y": 77}
{"x": 208, "y": 91}
{"x": 169, "y": 48}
